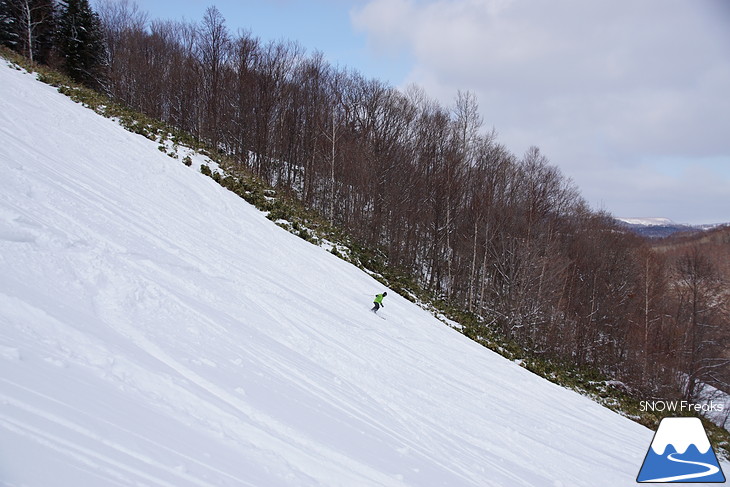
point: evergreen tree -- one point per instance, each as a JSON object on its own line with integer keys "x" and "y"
{"x": 27, "y": 26}
{"x": 81, "y": 43}
{"x": 9, "y": 35}
{"x": 44, "y": 30}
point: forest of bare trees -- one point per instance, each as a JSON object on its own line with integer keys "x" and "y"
{"x": 506, "y": 237}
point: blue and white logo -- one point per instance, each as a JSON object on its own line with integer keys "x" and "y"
{"x": 680, "y": 452}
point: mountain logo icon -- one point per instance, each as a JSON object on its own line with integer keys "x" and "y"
{"x": 680, "y": 452}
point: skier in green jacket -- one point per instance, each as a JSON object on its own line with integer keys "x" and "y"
{"x": 378, "y": 302}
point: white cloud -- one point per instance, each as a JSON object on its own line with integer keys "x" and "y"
{"x": 602, "y": 86}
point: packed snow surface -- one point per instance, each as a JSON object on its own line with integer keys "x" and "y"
{"x": 157, "y": 330}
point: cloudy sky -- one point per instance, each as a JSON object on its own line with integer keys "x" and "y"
{"x": 631, "y": 99}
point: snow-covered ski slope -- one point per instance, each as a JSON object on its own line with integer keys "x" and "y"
{"x": 157, "y": 330}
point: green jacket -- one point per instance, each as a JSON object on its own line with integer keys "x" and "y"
{"x": 379, "y": 299}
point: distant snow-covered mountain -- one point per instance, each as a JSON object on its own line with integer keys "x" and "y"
{"x": 648, "y": 222}
{"x": 654, "y": 227}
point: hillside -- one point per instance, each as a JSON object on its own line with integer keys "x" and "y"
{"x": 713, "y": 243}
{"x": 158, "y": 330}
